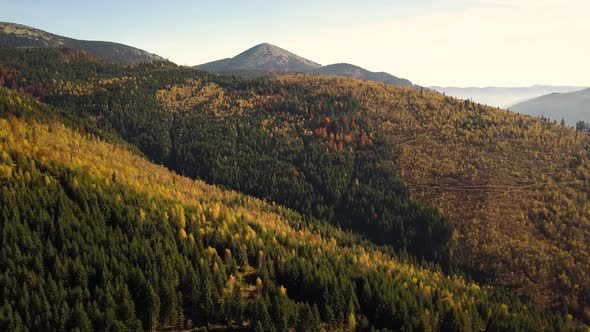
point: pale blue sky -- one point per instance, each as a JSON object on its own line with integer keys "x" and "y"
{"x": 442, "y": 42}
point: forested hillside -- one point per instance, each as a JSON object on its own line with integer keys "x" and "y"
{"x": 97, "y": 238}
{"x": 461, "y": 188}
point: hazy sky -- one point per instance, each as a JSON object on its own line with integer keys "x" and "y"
{"x": 431, "y": 42}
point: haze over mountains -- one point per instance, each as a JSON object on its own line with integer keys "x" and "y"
{"x": 555, "y": 102}
{"x": 270, "y": 58}
{"x": 503, "y": 96}
{"x": 18, "y": 35}
{"x": 571, "y": 107}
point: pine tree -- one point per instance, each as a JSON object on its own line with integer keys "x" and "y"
{"x": 151, "y": 308}
{"x": 79, "y": 319}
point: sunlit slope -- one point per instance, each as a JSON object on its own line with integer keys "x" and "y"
{"x": 516, "y": 186}
{"x": 118, "y": 195}
{"x": 214, "y": 128}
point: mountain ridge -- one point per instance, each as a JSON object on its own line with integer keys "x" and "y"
{"x": 19, "y": 35}
{"x": 353, "y": 71}
{"x": 571, "y": 106}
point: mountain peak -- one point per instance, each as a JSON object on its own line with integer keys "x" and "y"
{"x": 267, "y": 57}
{"x": 32, "y": 35}
{"x": 263, "y": 57}
{"x": 267, "y": 45}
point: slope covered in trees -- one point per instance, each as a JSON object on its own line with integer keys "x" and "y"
{"x": 498, "y": 196}
{"x": 97, "y": 238}
{"x": 514, "y": 186}
{"x": 220, "y": 144}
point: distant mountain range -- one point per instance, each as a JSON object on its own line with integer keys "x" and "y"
{"x": 503, "y": 97}
{"x": 272, "y": 59}
{"x": 17, "y": 35}
{"x": 555, "y": 102}
{"x": 572, "y": 106}
{"x": 258, "y": 60}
